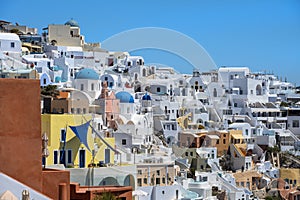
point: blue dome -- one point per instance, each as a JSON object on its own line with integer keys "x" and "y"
{"x": 57, "y": 79}
{"x": 72, "y": 22}
{"x": 146, "y": 97}
{"x": 87, "y": 74}
{"x": 124, "y": 97}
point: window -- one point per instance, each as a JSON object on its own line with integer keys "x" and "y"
{"x": 123, "y": 141}
{"x": 78, "y": 110}
{"x": 62, "y": 135}
{"x": 81, "y": 87}
{"x": 215, "y": 92}
{"x": 163, "y": 192}
{"x": 62, "y": 157}
{"x": 224, "y": 141}
{"x": 295, "y": 123}
{"x": 158, "y": 89}
{"x": 44, "y": 81}
{"x": 157, "y": 181}
{"x": 84, "y": 110}
{"x": 217, "y": 142}
{"x": 157, "y": 172}
{"x": 186, "y": 153}
{"x": 246, "y": 131}
{"x": 145, "y": 180}
{"x": 43, "y": 161}
{"x": 163, "y": 180}
{"x": 92, "y": 87}
{"x": 248, "y": 184}
{"x": 69, "y": 156}
{"x": 140, "y": 172}
{"x": 55, "y": 155}
{"x": 139, "y": 182}
{"x": 12, "y": 45}
{"x": 191, "y": 153}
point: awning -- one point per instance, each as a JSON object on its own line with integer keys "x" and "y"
{"x": 81, "y": 132}
{"x": 213, "y": 137}
{"x": 261, "y": 110}
{"x": 237, "y": 136}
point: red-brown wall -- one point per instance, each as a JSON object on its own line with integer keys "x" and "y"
{"x": 51, "y": 181}
{"x": 20, "y": 131}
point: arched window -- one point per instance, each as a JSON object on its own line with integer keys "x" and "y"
{"x": 215, "y": 92}
{"x": 258, "y": 90}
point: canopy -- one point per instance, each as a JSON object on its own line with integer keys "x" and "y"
{"x": 139, "y": 193}
{"x": 81, "y": 132}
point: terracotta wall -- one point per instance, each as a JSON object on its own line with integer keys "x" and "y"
{"x": 20, "y": 132}
{"x": 51, "y": 181}
{"x": 89, "y": 193}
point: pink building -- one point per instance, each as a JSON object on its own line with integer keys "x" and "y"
{"x": 109, "y": 106}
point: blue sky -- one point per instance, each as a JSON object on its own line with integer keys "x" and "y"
{"x": 260, "y": 34}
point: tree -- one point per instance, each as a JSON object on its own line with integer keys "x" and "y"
{"x": 272, "y": 198}
{"x": 284, "y": 104}
{"x": 15, "y": 30}
{"x": 106, "y": 196}
{"x": 50, "y": 90}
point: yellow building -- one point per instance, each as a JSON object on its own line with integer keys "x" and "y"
{"x": 249, "y": 179}
{"x": 290, "y": 176}
{"x": 236, "y": 136}
{"x": 66, "y": 148}
{"x": 67, "y": 34}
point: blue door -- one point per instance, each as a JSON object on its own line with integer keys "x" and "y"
{"x": 107, "y": 156}
{"x": 82, "y": 158}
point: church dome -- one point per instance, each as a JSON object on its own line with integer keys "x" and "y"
{"x": 72, "y": 23}
{"x": 124, "y": 97}
{"x": 87, "y": 74}
{"x": 146, "y": 97}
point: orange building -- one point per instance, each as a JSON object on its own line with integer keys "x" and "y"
{"x": 223, "y": 142}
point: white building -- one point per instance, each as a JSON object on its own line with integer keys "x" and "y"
{"x": 87, "y": 80}
{"x": 10, "y": 44}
